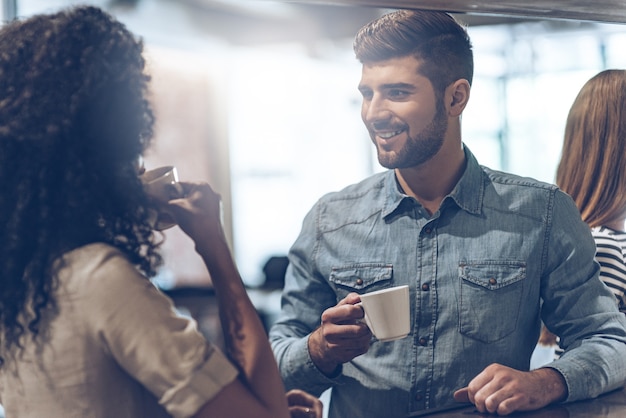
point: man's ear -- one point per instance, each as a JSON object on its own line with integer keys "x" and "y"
{"x": 457, "y": 95}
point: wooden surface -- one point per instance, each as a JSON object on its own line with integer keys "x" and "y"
{"x": 610, "y": 405}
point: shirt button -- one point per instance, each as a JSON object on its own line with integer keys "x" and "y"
{"x": 493, "y": 281}
{"x": 359, "y": 282}
{"x": 423, "y": 341}
{"x": 425, "y": 287}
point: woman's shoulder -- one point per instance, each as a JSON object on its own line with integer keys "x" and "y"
{"x": 609, "y": 243}
{"x": 97, "y": 265}
{"x": 608, "y": 234}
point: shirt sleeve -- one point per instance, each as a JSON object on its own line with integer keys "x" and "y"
{"x": 610, "y": 255}
{"x": 305, "y": 296}
{"x": 138, "y": 325}
{"x": 579, "y": 308}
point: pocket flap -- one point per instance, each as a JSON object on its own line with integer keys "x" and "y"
{"x": 493, "y": 275}
{"x": 361, "y": 276}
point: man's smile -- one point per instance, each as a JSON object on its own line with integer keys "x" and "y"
{"x": 388, "y": 134}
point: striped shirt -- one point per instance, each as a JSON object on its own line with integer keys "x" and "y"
{"x": 611, "y": 254}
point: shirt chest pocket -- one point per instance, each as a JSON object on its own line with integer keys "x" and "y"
{"x": 491, "y": 295}
{"x": 360, "y": 278}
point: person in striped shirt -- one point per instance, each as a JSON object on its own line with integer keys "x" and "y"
{"x": 592, "y": 170}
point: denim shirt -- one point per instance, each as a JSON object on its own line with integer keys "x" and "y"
{"x": 501, "y": 254}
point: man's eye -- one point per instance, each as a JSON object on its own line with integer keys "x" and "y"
{"x": 398, "y": 94}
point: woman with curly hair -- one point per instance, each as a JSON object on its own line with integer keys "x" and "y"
{"x": 83, "y": 331}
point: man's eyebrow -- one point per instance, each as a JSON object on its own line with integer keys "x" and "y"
{"x": 405, "y": 86}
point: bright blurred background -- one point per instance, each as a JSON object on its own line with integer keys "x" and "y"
{"x": 260, "y": 99}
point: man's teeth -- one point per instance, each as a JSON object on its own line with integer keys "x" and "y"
{"x": 387, "y": 135}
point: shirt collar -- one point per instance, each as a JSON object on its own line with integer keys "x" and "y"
{"x": 470, "y": 190}
{"x": 467, "y": 194}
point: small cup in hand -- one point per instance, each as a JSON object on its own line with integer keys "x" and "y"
{"x": 162, "y": 185}
{"x": 387, "y": 312}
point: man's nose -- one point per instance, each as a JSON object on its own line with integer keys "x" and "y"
{"x": 376, "y": 110}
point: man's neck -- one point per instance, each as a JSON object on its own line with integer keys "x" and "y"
{"x": 430, "y": 182}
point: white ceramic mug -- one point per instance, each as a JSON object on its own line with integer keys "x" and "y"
{"x": 162, "y": 185}
{"x": 387, "y": 312}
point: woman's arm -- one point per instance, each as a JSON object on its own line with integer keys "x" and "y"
{"x": 259, "y": 391}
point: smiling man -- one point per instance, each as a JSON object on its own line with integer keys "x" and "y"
{"x": 392, "y": 108}
{"x": 487, "y": 255}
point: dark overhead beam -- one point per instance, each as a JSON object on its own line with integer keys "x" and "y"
{"x": 609, "y": 11}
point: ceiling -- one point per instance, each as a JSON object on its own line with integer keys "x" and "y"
{"x": 613, "y": 11}
{"x": 246, "y": 22}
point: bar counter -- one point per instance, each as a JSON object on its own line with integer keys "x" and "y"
{"x": 609, "y": 405}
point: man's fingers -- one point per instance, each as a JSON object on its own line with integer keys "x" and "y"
{"x": 462, "y": 395}
{"x": 342, "y": 315}
{"x": 350, "y": 299}
{"x": 507, "y": 406}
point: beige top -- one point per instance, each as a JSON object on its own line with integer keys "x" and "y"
{"x": 116, "y": 348}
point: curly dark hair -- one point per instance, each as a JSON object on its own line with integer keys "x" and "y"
{"x": 74, "y": 120}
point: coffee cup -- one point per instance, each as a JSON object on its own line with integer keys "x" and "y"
{"x": 387, "y": 312}
{"x": 162, "y": 185}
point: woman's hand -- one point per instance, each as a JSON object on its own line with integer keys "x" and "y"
{"x": 199, "y": 213}
{"x": 304, "y": 405}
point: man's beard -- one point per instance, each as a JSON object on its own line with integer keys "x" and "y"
{"x": 419, "y": 149}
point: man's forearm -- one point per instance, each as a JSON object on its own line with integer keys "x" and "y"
{"x": 553, "y": 384}
{"x": 327, "y": 366}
